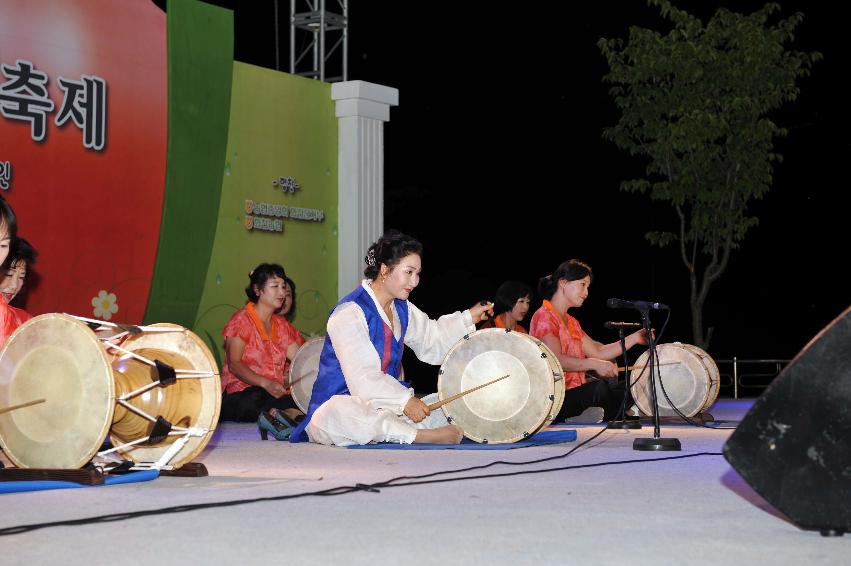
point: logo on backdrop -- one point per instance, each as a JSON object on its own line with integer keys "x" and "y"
{"x": 287, "y": 184}
{"x": 24, "y": 97}
{"x": 269, "y": 217}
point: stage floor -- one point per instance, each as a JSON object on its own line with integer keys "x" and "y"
{"x": 602, "y": 504}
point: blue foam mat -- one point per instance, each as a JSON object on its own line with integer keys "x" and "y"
{"x": 538, "y": 439}
{"x": 132, "y": 477}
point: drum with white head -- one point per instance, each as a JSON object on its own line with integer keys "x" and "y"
{"x": 689, "y": 375}
{"x": 508, "y": 410}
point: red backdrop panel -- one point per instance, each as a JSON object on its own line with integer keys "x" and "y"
{"x": 93, "y": 214}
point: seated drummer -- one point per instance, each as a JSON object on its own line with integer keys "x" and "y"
{"x": 9, "y": 320}
{"x": 358, "y": 397}
{"x": 586, "y": 398}
{"x": 259, "y": 346}
{"x": 511, "y": 305}
{"x": 21, "y": 258}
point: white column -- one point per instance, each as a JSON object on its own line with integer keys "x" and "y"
{"x": 362, "y": 109}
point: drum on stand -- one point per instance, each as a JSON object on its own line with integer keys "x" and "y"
{"x": 303, "y": 371}
{"x": 689, "y": 375}
{"x": 91, "y": 390}
{"x": 508, "y": 410}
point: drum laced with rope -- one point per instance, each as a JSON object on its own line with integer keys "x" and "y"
{"x": 508, "y": 410}
{"x": 686, "y": 373}
{"x": 153, "y": 389}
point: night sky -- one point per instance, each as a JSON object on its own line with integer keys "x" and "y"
{"x": 495, "y": 161}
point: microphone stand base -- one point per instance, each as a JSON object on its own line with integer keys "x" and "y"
{"x": 656, "y": 444}
{"x": 624, "y": 424}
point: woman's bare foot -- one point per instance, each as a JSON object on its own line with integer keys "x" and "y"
{"x": 449, "y": 434}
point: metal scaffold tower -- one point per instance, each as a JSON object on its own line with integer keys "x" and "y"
{"x": 311, "y": 27}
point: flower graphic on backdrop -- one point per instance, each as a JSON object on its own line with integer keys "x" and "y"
{"x": 105, "y": 305}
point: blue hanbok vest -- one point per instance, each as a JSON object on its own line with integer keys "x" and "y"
{"x": 330, "y": 380}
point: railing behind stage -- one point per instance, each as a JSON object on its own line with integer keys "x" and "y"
{"x": 748, "y": 376}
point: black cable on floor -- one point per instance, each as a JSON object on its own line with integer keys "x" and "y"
{"x": 562, "y": 468}
{"x": 342, "y": 490}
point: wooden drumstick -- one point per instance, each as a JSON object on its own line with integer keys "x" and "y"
{"x": 21, "y": 406}
{"x": 630, "y": 368}
{"x": 303, "y": 376}
{"x": 439, "y": 404}
{"x": 485, "y": 315}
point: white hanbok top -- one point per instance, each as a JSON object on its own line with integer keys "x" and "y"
{"x": 429, "y": 339}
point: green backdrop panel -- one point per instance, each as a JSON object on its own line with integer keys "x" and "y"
{"x": 200, "y": 69}
{"x": 280, "y": 178}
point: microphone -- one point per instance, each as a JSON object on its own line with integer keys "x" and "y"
{"x": 610, "y": 325}
{"x": 639, "y": 305}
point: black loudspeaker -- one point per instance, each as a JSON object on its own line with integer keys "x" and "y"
{"x": 794, "y": 446}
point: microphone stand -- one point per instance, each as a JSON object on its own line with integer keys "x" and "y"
{"x": 622, "y": 422}
{"x": 657, "y": 443}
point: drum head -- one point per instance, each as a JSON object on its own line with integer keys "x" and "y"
{"x": 188, "y": 403}
{"x": 303, "y": 371}
{"x": 508, "y": 410}
{"x": 59, "y": 359}
{"x": 684, "y": 375}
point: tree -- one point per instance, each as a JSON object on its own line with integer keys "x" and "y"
{"x": 696, "y": 103}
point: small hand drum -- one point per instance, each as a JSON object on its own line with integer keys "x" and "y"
{"x": 303, "y": 371}
{"x": 508, "y": 410}
{"x": 689, "y": 375}
{"x": 90, "y": 390}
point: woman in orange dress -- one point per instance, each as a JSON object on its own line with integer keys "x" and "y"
{"x": 20, "y": 259}
{"x": 511, "y": 305}
{"x": 259, "y": 346}
{"x": 9, "y": 321}
{"x": 578, "y": 353}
